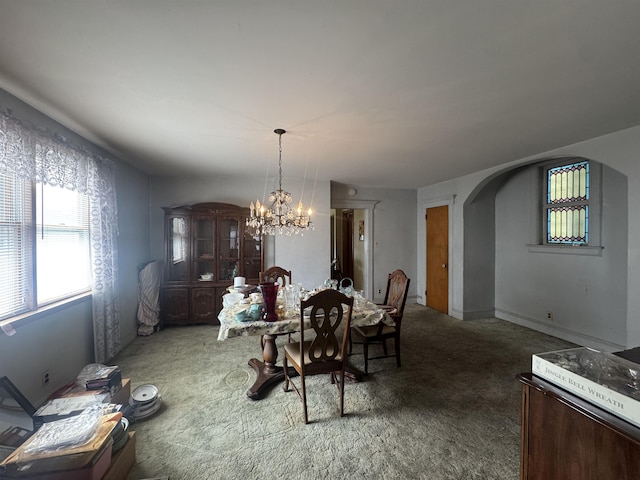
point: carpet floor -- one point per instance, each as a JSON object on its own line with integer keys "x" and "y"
{"x": 452, "y": 411}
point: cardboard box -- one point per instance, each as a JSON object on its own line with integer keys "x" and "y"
{"x": 123, "y": 460}
{"x": 60, "y": 460}
{"x": 93, "y": 471}
{"x": 606, "y": 380}
{"x": 122, "y": 396}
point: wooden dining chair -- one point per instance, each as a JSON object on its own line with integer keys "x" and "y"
{"x": 395, "y": 297}
{"x": 323, "y": 351}
{"x": 277, "y": 275}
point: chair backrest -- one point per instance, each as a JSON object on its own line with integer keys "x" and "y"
{"x": 327, "y": 310}
{"x": 397, "y": 289}
{"x": 276, "y": 274}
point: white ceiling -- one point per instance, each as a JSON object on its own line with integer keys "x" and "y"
{"x": 372, "y": 92}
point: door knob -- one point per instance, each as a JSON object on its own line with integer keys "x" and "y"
{"x": 444, "y": 265}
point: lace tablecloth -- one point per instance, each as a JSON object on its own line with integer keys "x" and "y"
{"x": 364, "y": 313}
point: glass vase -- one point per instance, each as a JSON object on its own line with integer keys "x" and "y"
{"x": 270, "y": 295}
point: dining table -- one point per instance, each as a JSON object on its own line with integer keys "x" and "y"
{"x": 268, "y": 373}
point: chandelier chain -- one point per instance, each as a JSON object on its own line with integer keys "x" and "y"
{"x": 280, "y": 161}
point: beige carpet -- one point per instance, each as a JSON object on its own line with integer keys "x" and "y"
{"x": 452, "y": 411}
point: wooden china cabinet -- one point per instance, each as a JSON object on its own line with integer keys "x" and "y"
{"x": 210, "y": 240}
{"x": 564, "y": 437}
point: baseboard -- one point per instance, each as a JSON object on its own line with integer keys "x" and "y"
{"x": 558, "y": 331}
{"x": 477, "y": 314}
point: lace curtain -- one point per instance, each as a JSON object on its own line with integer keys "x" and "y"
{"x": 38, "y": 155}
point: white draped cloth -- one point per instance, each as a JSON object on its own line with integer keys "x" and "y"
{"x": 150, "y": 279}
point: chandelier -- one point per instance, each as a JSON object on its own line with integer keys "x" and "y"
{"x": 279, "y": 216}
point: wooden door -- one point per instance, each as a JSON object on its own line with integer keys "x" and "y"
{"x": 437, "y": 221}
{"x": 347, "y": 243}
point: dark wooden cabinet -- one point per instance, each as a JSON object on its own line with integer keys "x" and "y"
{"x": 174, "y": 305}
{"x": 564, "y": 437}
{"x": 206, "y": 246}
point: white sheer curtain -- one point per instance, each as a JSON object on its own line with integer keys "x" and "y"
{"x": 38, "y": 155}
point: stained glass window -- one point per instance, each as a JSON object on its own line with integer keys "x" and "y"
{"x": 567, "y": 204}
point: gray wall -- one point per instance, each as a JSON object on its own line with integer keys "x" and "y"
{"x": 61, "y": 340}
{"x": 586, "y": 293}
{"x": 480, "y": 236}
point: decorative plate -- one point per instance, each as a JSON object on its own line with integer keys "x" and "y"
{"x": 144, "y": 393}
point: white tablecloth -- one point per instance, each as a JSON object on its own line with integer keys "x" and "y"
{"x": 365, "y": 313}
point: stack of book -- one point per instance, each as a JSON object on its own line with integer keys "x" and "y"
{"x": 102, "y": 386}
{"x": 109, "y": 378}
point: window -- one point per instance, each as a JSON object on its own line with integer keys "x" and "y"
{"x": 62, "y": 243}
{"x": 44, "y": 245}
{"x": 566, "y": 206}
{"x": 47, "y": 251}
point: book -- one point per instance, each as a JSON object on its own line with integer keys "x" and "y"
{"x": 102, "y": 377}
{"x": 112, "y": 384}
{"x": 59, "y": 408}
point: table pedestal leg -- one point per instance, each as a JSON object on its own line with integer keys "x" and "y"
{"x": 267, "y": 373}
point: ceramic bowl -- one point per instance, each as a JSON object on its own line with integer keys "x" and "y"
{"x": 231, "y": 299}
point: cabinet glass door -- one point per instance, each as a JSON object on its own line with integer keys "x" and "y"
{"x": 228, "y": 248}
{"x": 203, "y": 249}
{"x": 251, "y": 255}
{"x": 177, "y": 268}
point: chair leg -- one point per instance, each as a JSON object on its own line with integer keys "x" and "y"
{"x": 397, "y": 347}
{"x": 365, "y": 347}
{"x": 285, "y": 365}
{"x": 342, "y": 392}
{"x": 304, "y": 400}
{"x": 384, "y": 346}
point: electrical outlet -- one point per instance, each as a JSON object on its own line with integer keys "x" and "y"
{"x": 379, "y": 291}
{"x": 45, "y": 377}
{"x": 549, "y": 316}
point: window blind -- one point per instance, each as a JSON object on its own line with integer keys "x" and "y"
{"x": 16, "y": 246}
